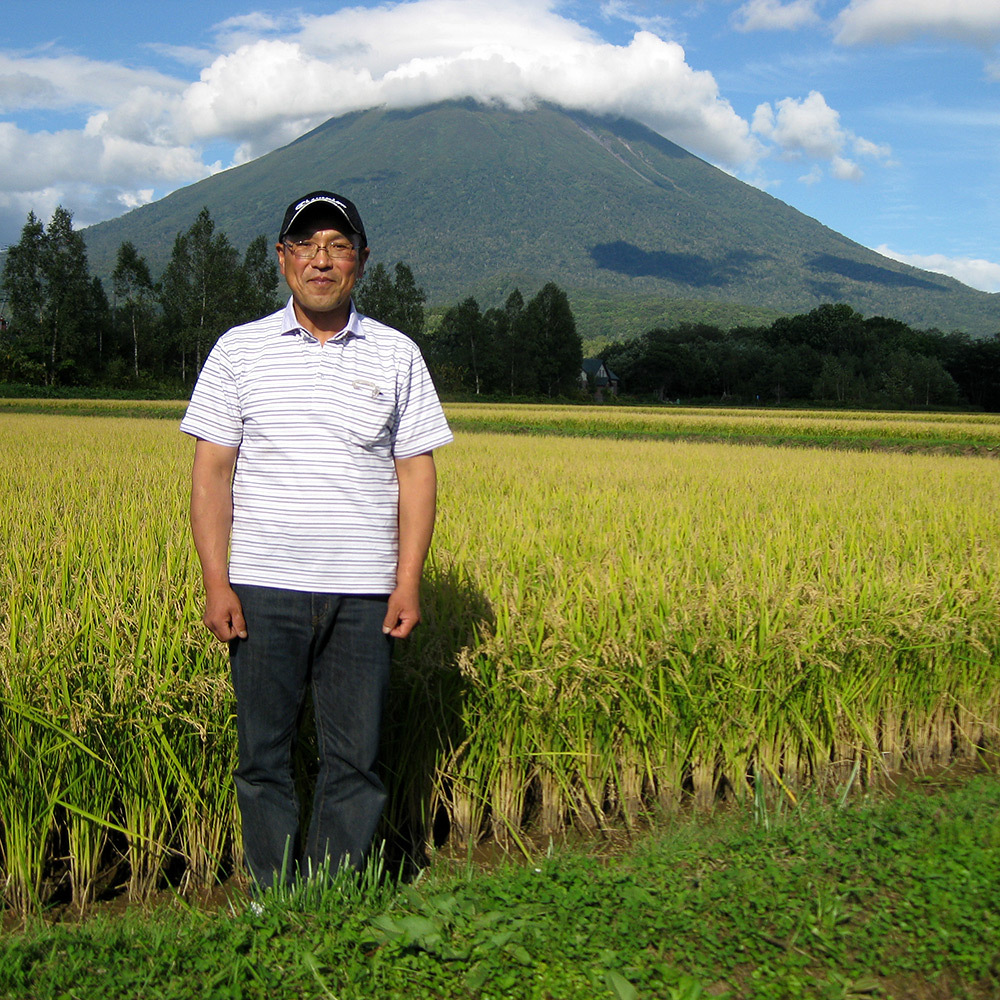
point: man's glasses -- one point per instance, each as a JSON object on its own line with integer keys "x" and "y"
{"x": 306, "y": 250}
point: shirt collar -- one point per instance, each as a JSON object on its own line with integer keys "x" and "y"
{"x": 291, "y": 325}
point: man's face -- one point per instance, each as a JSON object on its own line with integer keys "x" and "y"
{"x": 321, "y": 285}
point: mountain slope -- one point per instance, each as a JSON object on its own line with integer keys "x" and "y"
{"x": 478, "y": 200}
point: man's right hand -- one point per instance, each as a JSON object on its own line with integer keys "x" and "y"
{"x": 224, "y": 615}
{"x": 211, "y": 523}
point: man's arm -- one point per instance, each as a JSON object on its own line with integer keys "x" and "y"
{"x": 211, "y": 523}
{"x": 417, "y": 504}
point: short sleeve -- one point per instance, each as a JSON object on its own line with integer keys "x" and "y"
{"x": 420, "y": 425}
{"x": 214, "y": 411}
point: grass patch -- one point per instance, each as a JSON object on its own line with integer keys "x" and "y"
{"x": 962, "y": 433}
{"x": 881, "y": 896}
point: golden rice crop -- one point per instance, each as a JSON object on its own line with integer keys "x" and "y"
{"x": 613, "y": 628}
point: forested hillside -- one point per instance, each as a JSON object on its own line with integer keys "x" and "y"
{"x": 482, "y": 200}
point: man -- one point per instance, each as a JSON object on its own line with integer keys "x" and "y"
{"x": 329, "y": 419}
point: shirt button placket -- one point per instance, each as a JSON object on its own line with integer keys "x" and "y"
{"x": 314, "y": 354}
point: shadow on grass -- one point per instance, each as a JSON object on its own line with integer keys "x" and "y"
{"x": 425, "y": 717}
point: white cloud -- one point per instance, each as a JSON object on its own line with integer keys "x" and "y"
{"x": 274, "y": 77}
{"x": 88, "y": 203}
{"x": 248, "y": 28}
{"x": 975, "y": 22}
{"x": 41, "y": 160}
{"x": 808, "y": 126}
{"x": 812, "y": 128}
{"x": 70, "y": 81}
{"x": 357, "y": 59}
{"x": 772, "y": 15}
{"x": 620, "y": 10}
{"x": 864, "y": 147}
{"x": 975, "y": 272}
{"x": 845, "y": 170}
{"x": 136, "y": 199}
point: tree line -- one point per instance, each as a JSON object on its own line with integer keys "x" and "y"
{"x": 829, "y": 355}
{"x": 60, "y": 327}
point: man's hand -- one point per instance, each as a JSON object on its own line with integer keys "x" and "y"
{"x": 211, "y": 521}
{"x": 224, "y": 614}
{"x": 403, "y": 613}
{"x": 417, "y": 494}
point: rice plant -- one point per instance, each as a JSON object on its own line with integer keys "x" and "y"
{"x": 614, "y": 629}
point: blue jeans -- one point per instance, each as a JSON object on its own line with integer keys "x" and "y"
{"x": 335, "y": 643}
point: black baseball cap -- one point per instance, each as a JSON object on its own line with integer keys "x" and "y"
{"x": 328, "y": 201}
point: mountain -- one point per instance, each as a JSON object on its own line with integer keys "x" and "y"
{"x": 478, "y": 200}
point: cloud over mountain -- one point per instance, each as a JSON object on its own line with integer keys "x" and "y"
{"x": 271, "y": 78}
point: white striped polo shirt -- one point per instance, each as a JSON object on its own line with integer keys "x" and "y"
{"x": 318, "y": 426}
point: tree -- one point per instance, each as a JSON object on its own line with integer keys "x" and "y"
{"x": 24, "y": 287}
{"x": 259, "y": 281}
{"x": 374, "y": 295}
{"x": 395, "y": 301}
{"x": 47, "y": 282}
{"x": 67, "y": 282}
{"x": 410, "y": 301}
{"x": 214, "y": 261}
{"x": 197, "y": 289}
{"x": 975, "y": 366}
{"x": 458, "y": 343}
{"x": 96, "y": 320}
{"x": 174, "y": 293}
{"x": 836, "y": 378}
{"x": 551, "y": 343}
{"x": 506, "y": 339}
{"x": 133, "y": 291}
{"x": 828, "y": 329}
{"x": 914, "y": 380}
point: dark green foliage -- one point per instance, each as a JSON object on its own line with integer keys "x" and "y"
{"x": 62, "y": 331}
{"x": 57, "y": 315}
{"x": 892, "y": 897}
{"x": 459, "y": 347}
{"x": 197, "y": 291}
{"x": 975, "y": 366}
{"x": 260, "y": 281}
{"x": 133, "y": 290}
{"x": 23, "y": 281}
{"x": 395, "y": 301}
{"x": 546, "y": 332}
{"x": 831, "y": 355}
{"x": 523, "y": 350}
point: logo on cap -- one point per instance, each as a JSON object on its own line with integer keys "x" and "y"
{"x": 329, "y": 201}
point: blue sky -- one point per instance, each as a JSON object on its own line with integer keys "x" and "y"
{"x": 879, "y": 118}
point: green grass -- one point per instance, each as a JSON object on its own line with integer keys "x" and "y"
{"x": 891, "y": 896}
{"x": 79, "y": 407}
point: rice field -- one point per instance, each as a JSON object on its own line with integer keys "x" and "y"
{"x": 614, "y": 629}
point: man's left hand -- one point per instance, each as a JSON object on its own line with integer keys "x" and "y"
{"x": 403, "y": 613}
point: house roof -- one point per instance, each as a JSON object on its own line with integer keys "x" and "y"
{"x": 598, "y": 370}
